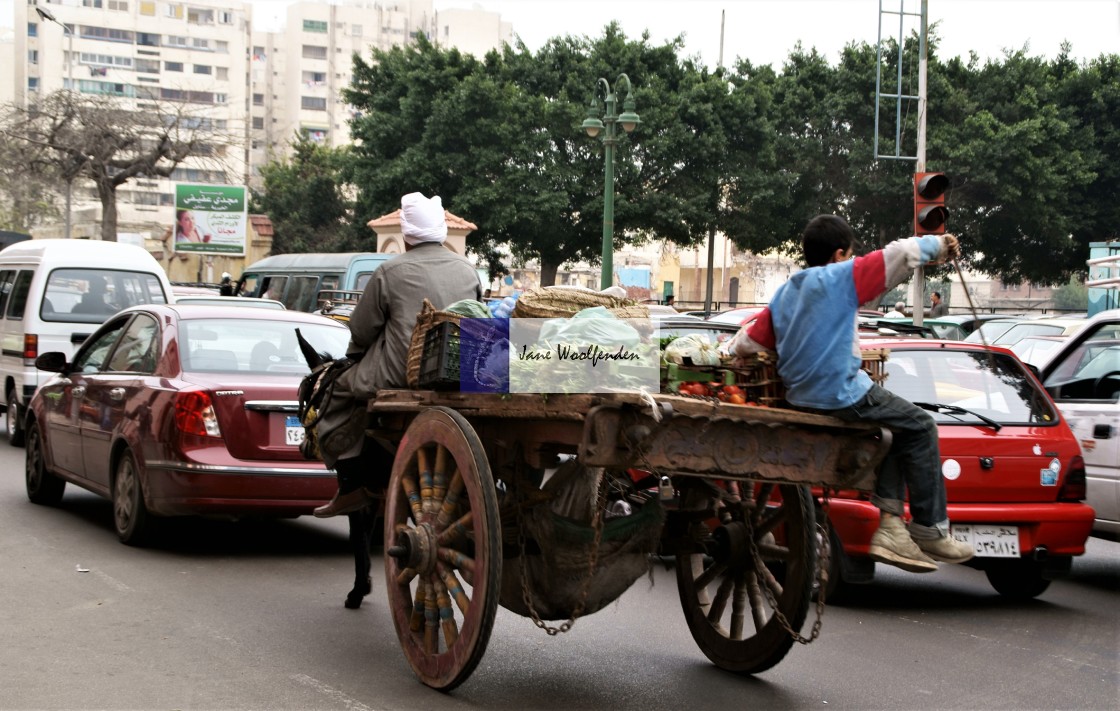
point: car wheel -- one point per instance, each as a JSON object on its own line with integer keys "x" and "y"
{"x": 130, "y": 515}
{"x": 14, "y": 421}
{"x": 43, "y": 487}
{"x": 1017, "y": 579}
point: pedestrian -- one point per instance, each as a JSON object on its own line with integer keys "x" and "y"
{"x": 226, "y": 287}
{"x": 899, "y": 310}
{"x": 811, "y": 323}
{"x": 938, "y": 307}
{"x": 381, "y": 332}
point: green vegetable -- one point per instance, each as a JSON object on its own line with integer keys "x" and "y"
{"x": 469, "y": 308}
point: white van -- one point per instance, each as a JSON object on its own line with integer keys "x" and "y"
{"x": 56, "y": 292}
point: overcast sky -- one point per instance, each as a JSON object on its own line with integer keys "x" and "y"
{"x": 765, "y": 30}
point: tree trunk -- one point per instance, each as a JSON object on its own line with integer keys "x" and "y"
{"x": 107, "y": 192}
{"x": 548, "y": 272}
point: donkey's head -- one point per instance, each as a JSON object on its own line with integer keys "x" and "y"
{"x": 314, "y": 358}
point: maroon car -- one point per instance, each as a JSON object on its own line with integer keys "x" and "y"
{"x": 174, "y": 410}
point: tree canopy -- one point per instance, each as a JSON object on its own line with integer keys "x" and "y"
{"x": 1031, "y": 147}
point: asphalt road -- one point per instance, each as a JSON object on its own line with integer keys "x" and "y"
{"x": 249, "y": 615}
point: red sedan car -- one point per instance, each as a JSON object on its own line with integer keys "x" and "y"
{"x": 1014, "y": 476}
{"x": 175, "y": 410}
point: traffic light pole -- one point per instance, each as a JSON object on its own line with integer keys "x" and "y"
{"x": 919, "y": 289}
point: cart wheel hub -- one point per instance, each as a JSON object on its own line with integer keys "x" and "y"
{"x": 732, "y": 547}
{"x": 416, "y": 548}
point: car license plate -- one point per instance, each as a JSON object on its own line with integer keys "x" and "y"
{"x": 293, "y": 431}
{"x": 989, "y": 541}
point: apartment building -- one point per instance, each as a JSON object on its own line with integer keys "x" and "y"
{"x": 299, "y": 73}
{"x": 258, "y": 89}
{"x": 146, "y": 54}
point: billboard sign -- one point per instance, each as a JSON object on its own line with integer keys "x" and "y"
{"x": 211, "y": 219}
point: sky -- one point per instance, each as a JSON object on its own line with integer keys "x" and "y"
{"x": 764, "y": 31}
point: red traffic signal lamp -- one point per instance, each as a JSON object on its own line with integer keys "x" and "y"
{"x": 929, "y": 203}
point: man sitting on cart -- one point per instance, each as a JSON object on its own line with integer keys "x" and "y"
{"x": 812, "y": 324}
{"x": 381, "y": 332}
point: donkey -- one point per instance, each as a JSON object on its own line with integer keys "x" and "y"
{"x": 363, "y": 523}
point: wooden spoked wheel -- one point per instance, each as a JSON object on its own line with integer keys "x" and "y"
{"x": 723, "y": 592}
{"x": 443, "y": 566}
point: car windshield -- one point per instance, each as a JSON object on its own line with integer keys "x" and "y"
{"x": 992, "y": 385}
{"x": 989, "y": 331}
{"x": 1021, "y": 330}
{"x": 259, "y": 346}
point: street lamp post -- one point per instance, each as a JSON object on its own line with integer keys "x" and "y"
{"x": 46, "y": 16}
{"x": 593, "y": 125}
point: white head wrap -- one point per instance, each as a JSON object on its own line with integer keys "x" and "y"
{"x": 422, "y": 219}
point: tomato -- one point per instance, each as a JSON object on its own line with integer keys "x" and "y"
{"x": 722, "y": 395}
{"x": 736, "y": 399}
{"x": 733, "y": 389}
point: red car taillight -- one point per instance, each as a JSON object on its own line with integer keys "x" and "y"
{"x": 194, "y": 414}
{"x": 30, "y": 346}
{"x": 1074, "y": 487}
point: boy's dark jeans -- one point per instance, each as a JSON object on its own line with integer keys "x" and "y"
{"x": 913, "y": 462}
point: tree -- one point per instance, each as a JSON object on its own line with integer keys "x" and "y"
{"x": 306, "y": 200}
{"x": 28, "y": 185}
{"x": 110, "y": 143}
{"x": 1072, "y": 296}
{"x": 500, "y": 141}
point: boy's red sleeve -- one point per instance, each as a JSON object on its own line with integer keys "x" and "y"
{"x": 762, "y": 331}
{"x": 870, "y": 276}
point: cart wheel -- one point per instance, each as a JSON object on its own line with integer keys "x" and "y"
{"x": 729, "y": 613}
{"x": 443, "y": 566}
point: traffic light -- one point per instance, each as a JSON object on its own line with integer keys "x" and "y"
{"x": 929, "y": 203}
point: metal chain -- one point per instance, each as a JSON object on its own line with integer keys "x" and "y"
{"x": 593, "y": 560}
{"x": 822, "y": 578}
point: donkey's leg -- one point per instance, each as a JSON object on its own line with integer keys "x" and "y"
{"x": 361, "y": 526}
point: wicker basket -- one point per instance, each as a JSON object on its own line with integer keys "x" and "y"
{"x": 428, "y": 318}
{"x": 757, "y": 374}
{"x": 564, "y": 303}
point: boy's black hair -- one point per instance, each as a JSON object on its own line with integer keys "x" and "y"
{"x": 823, "y": 236}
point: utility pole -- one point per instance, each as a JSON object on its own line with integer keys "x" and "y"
{"x": 712, "y": 230}
{"x": 919, "y": 289}
{"x": 46, "y": 16}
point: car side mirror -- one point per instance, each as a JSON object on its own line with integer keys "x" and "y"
{"x": 52, "y": 362}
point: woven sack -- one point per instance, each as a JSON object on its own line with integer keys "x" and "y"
{"x": 556, "y": 570}
{"x": 561, "y": 303}
{"x": 428, "y": 318}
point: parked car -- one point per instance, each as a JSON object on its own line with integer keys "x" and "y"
{"x": 1014, "y": 474}
{"x": 172, "y": 410}
{"x": 737, "y": 317}
{"x": 686, "y": 325}
{"x": 1036, "y": 350}
{"x": 942, "y": 328}
{"x": 1083, "y": 377}
{"x": 968, "y": 322}
{"x": 991, "y": 329}
{"x": 1039, "y": 327}
{"x": 213, "y": 300}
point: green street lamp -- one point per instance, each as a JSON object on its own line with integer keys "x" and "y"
{"x": 601, "y": 118}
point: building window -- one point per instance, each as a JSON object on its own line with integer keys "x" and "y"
{"x": 220, "y": 98}
{"x": 314, "y": 78}
{"x": 312, "y": 51}
{"x": 258, "y": 122}
{"x": 147, "y": 39}
{"x": 318, "y": 135}
{"x": 313, "y": 103}
{"x": 258, "y": 99}
{"x": 91, "y": 3}
{"x": 200, "y": 43}
{"x": 221, "y": 46}
{"x": 32, "y": 56}
{"x": 199, "y": 16}
{"x": 175, "y": 41}
{"x": 147, "y": 8}
{"x": 105, "y": 33}
{"x": 148, "y": 66}
{"x": 33, "y": 83}
{"x": 314, "y": 26}
{"x": 356, "y": 30}
{"x": 173, "y": 66}
{"x": 256, "y": 144}
{"x": 202, "y": 69}
{"x": 118, "y": 5}
{"x": 222, "y": 74}
{"x": 175, "y": 11}
{"x": 225, "y": 17}
{"x": 32, "y": 29}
